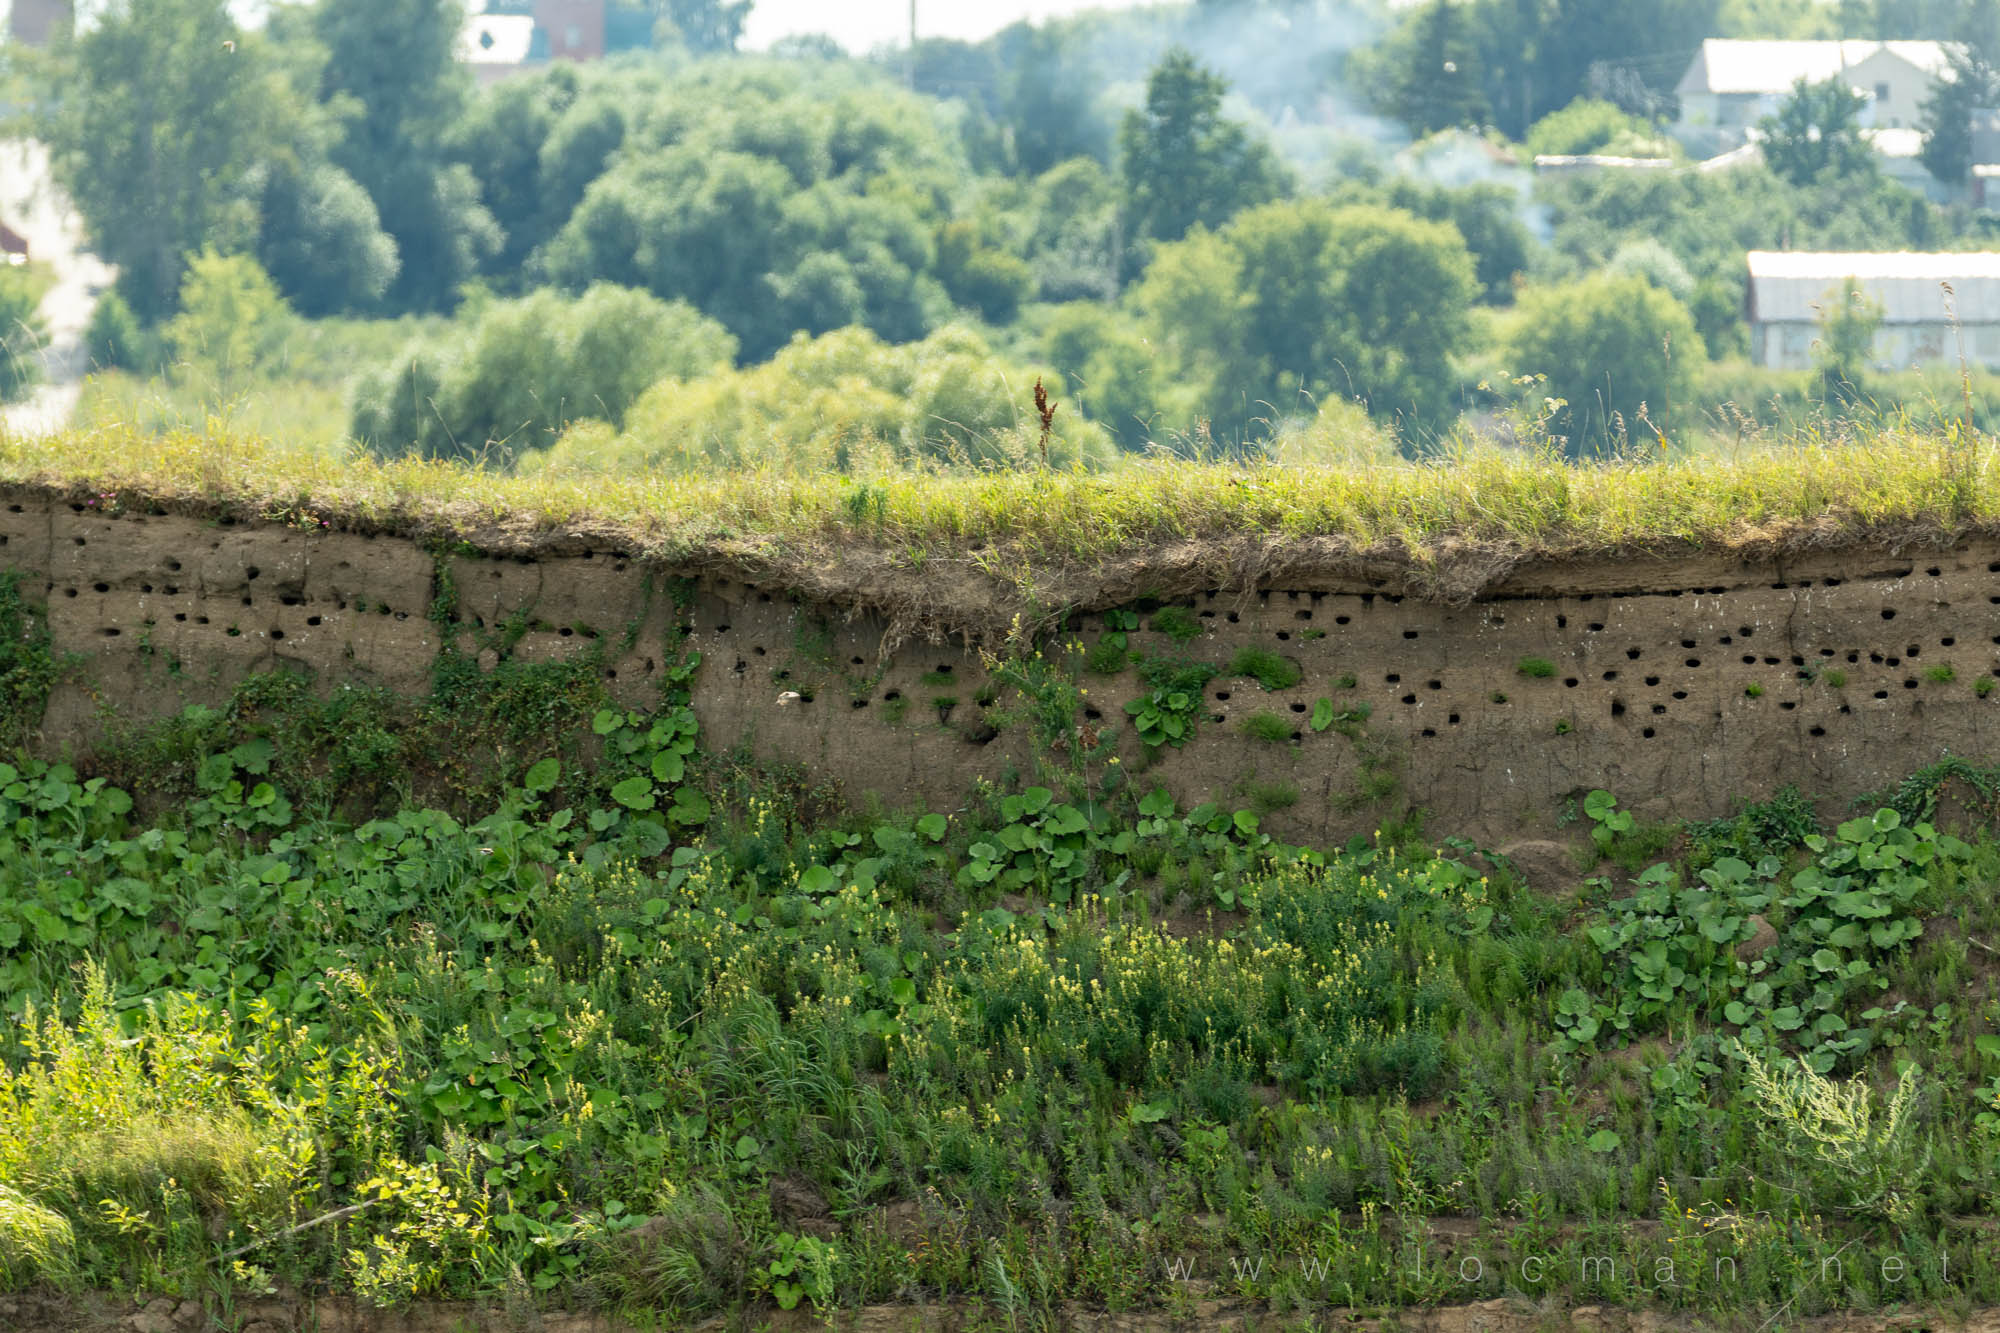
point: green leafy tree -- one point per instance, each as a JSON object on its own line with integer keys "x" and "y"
{"x": 1848, "y": 322}
{"x": 319, "y": 237}
{"x": 534, "y": 146}
{"x": 778, "y": 199}
{"x": 1487, "y": 216}
{"x": 1617, "y": 350}
{"x": 1816, "y": 134}
{"x": 1906, "y": 18}
{"x": 1655, "y": 263}
{"x": 390, "y": 67}
{"x": 687, "y": 223}
{"x": 1972, "y": 84}
{"x": 982, "y": 277}
{"x": 1403, "y": 291}
{"x": 705, "y": 27}
{"x": 232, "y": 327}
{"x": 504, "y": 139}
{"x": 1707, "y": 219}
{"x": 1113, "y": 373}
{"x": 1292, "y": 304}
{"x": 1049, "y": 100}
{"x": 1427, "y": 74}
{"x": 1537, "y": 56}
{"x": 22, "y": 333}
{"x": 1184, "y": 163}
{"x": 1589, "y": 125}
{"x": 1717, "y": 306}
{"x": 158, "y": 111}
{"x": 113, "y": 339}
{"x": 1073, "y": 242}
{"x": 523, "y": 370}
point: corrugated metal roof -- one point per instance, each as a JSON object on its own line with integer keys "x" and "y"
{"x": 1792, "y": 286}
{"x": 1570, "y": 161}
{"x": 496, "y": 39}
{"x": 1735, "y": 65}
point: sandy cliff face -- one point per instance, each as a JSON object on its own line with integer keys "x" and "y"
{"x": 1679, "y": 685}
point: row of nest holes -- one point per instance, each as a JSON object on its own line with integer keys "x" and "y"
{"x": 374, "y": 608}
{"x": 1497, "y": 620}
{"x": 1649, "y": 733}
{"x": 542, "y": 627}
{"x": 1369, "y": 598}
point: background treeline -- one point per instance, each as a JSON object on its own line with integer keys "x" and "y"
{"x": 1210, "y": 225}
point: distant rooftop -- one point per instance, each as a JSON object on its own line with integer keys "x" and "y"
{"x": 1792, "y": 285}
{"x": 496, "y": 39}
{"x": 1896, "y": 142}
{"x": 1736, "y": 65}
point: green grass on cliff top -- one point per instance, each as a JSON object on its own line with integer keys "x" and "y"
{"x": 1808, "y": 492}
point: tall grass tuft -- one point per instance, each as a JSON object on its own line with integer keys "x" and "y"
{"x": 37, "y": 1244}
{"x": 1832, "y": 1130}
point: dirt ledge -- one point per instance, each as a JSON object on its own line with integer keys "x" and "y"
{"x": 1011, "y": 592}
{"x": 1195, "y": 1312}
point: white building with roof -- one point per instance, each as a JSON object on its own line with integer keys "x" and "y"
{"x": 1791, "y": 290}
{"x": 1731, "y": 83}
{"x": 495, "y": 45}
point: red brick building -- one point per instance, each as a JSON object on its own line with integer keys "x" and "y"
{"x": 507, "y": 38}
{"x": 574, "y": 28}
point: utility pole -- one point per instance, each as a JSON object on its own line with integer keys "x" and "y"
{"x": 910, "y": 60}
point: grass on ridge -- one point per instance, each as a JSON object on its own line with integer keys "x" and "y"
{"x": 1812, "y": 491}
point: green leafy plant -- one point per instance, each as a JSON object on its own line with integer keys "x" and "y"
{"x": 1669, "y": 949}
{"x": 1535, "y": 668}
{"x": 1266, "y": 668}
{"x": 1267, "y": 726}
{"x": 1607, "y": 822}
{"x": 802, "y": 1268}
{"x": 28, "y": 667}
{"x": 1177, "y": 623}
{"x": 1166, "y": 715}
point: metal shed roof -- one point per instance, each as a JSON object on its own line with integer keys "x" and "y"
{"x": 1791, "y": 286}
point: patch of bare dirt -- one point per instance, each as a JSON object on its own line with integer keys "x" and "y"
{"x": 1548, "y": 867}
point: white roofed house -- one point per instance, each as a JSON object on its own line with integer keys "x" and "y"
{"x": 1790, "y": 291}
{"x": 496, "y": 45}
{"x": 1731, "y": 84}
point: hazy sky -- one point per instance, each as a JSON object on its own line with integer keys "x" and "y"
{"x": 861, "y": 24}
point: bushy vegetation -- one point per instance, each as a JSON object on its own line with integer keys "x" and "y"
{"x": 1591, "y": 125}
{"x": 519, "y": 372}
{"x": 1622, "y": 351}
{"x": 649, "y": 1033}
{"x": 844, "y": 402}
